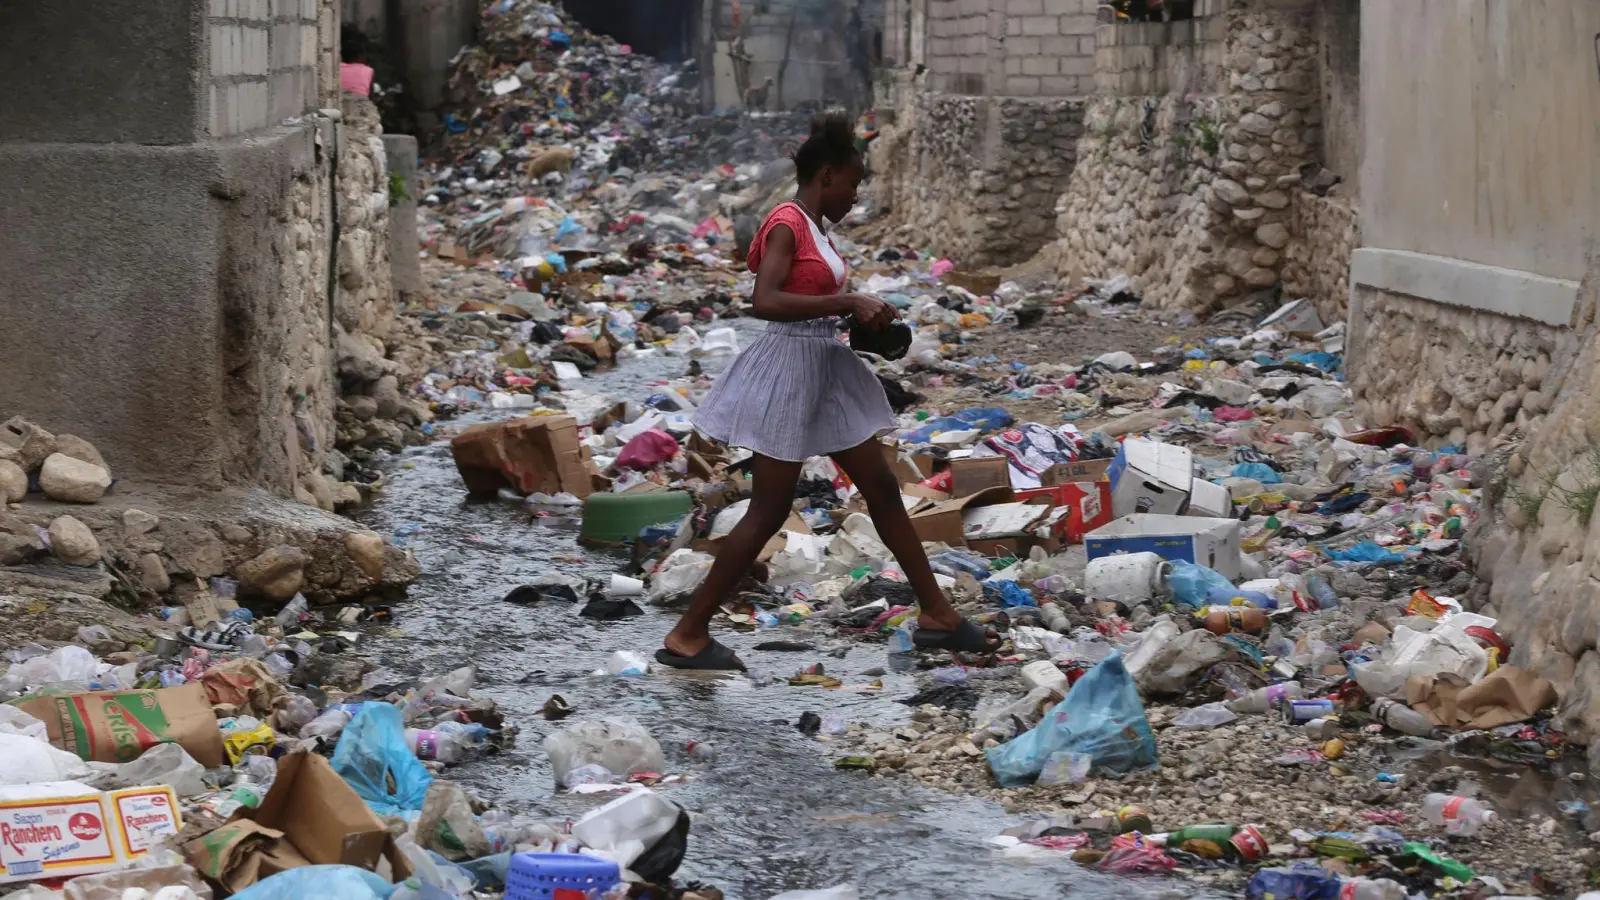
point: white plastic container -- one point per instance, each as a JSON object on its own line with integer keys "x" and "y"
{"x": 1044, "y": 674}
{"x": 1126, "y": 577}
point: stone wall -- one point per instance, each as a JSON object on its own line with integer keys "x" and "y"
{"x": 1456, "y": 375}
{"x": 1538, "y": 545}
{"x": 1324, "y": 232}
{"x": 1191, "y": 193}
{"x": 975, "y": 177}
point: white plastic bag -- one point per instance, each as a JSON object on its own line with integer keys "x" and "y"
{"x": 1444, "y": 650}
{"x": 679, "y": 573}
{"x": 167, "y": 764}
{"x": 623, "y": 746}
{"x": 842, "y": 892}
{"x": 15, "y": 721}
{"x": 24, "y": 760}
{"x": 720, "y": 340}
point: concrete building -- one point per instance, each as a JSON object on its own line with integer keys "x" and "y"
{"x": 185, "y": 236}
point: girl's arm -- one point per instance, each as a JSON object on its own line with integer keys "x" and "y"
{"x": 773, "y": 304}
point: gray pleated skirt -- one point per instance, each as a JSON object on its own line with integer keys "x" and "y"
{"x": 797, "y": 392}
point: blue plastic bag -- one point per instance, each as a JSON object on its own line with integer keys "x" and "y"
{"x": 325, "y": 882}
{"x": 1219, "y": 596}
{"x": 1303, "y": 882}
{"x": 372, "y": 754}
{"x": 1010, "y": 593}
{"x": 985, "y": 418}
{"x": 1191, "y": 584}
{"x": 1259, "y": 471}
{"x": 929, "y": 429}
{"x": 1102, "y": 717}
{"x": 1367, "y": 552}
{"x": 1327, "y": 362}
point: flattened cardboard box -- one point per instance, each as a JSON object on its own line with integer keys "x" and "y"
{"x": 532, "y": 454}
{"x": 311, "y": 816}
{"x": 942, "y": 523}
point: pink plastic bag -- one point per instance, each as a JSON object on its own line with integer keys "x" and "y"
{"x": 942, "y": 267}
{"x": 647, "y": 450}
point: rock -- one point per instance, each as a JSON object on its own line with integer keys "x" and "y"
{"x": 25, "y": 443}
{"x": 276, "y": 574}
{"x": 1259, "y": 277}
{"x": 236, "y": 534}
{"x": 359, "y": 361}
{"x": 1231, "y": 192}
{"x": 137, "y": 521}
{"x": 338, "y": 670}
{"x": 13, "y": 482}
{"x": 1271, "y": 109}
{"x": 363, "y": 408}
{"x": 71, "y": 480}
{"x": 153, "y": 574}
{"x": 16, "y": 549}
{"x": 386, "y": 393}
{"x": 78, "y": 448}
{"x": 346, "y": 496}
{"x": 73, "y": 542}
{"x": 1249, "y": 214}
{"x": 1255, "y": 123}
{"x": 1274, "y": 235}
{"x": 365, "y": 549}
{"x": 321, "y": 491}
{"x": 1273, "y": 199}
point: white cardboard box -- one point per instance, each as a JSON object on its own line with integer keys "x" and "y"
{"x": 1150, "y": 477}
{"x": 57, "y": 829}
{"x": 1207, "y": 500}
{"x": 1213, "y": 543}
{"x": 1299, "y": 317}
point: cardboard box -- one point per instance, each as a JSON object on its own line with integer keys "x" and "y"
{"x": 1299, "y": 317}
{"x": 63, "y": 828}
{"x": 310, "y": 817}
{"x": 1087, "y": 506}
{"x": 534, "y": 454}
{"x": 119, "y": 726}
{"x": 908, "y": 467}
{"x": 1075, "y": 472}
{"x": 1209, "y": 501}
{"x": 1150, "y": 477}
{"x": 942, "y": 522}
{"x": 974, "y": 474}
{"x": 1213, "y": 543}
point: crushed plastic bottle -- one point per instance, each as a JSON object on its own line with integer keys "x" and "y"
{"x": 1268, "y": 698}
{"x": 1461, "y": 816}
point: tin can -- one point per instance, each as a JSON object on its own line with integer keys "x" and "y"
{"x": 1133, "y": 818}
{"x": 1249, "y": 843}
{"x": 1299, "y": 712}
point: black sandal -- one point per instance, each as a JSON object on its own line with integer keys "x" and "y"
{"x": 964, "y": 638}
{"x": 714, "y": 657}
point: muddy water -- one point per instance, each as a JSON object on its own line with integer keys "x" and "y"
{"x": 770, "y": 812}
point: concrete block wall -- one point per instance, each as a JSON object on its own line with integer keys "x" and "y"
{"x": 1049, "y": 48}
{"x": 1138, "y": 58}
{"x": 267, "y": 61}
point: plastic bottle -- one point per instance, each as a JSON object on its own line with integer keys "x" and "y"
{"x": 1372, "y": 889}
{"x": 1322, "y": 591}
{"x": 1054, "y": 618}
{"x": 1459, "y": 815}
{"x": 702, "y": 751}
{"x": 1402, "y": 718}
{"x": 1266, "y": 699}
{"x": 1235, "y": 619}
{"x": 1302, "y": 882}
{"x": 292, "y": 612}
{"x": 327, "y": 725}
{"x": 440, "y": 746}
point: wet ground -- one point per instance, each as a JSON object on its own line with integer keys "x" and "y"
{"x": 770, "y": 812}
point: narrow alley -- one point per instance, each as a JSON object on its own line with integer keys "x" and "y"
{"x": 1188, "y": 405}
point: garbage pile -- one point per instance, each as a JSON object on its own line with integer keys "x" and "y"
{"x": 1218, "y": 591}
{"x": 241, "y": 761}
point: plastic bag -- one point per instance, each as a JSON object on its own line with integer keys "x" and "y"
{"x": 325, "y": 882}
{"x": 1190, "y": 583}
{"x": 373, "y": 755}
{"x": 15, "y": 721}
{"x": 622, "y": 746}
{"x": 1167, "y": 662}
{"x": 28, "y": 761}
{"x": 1102, "y": 717}
{"x": 177, "y": 882}
{"x": 679, "y": 573}
{"x": 647, "y": 450}
{"x": 1204, "y": 717}
{"x": 447, "y": 826}
{"x": 1367, "y": 552}
{"x": 1259, "y": 471}
{"x": 167, "y": 764}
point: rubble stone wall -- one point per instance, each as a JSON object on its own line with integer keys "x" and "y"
{"x": 983, "y": 172}
{"x": 1324, "y": 232}
{"x": 1191, "y": 190}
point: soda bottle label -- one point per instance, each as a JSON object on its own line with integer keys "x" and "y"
{"x": 1276, "y": 693}
{"x": 1452, "y": 808}
{"x": 427, "y": 745}
{"x": 1250, "y": 843}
